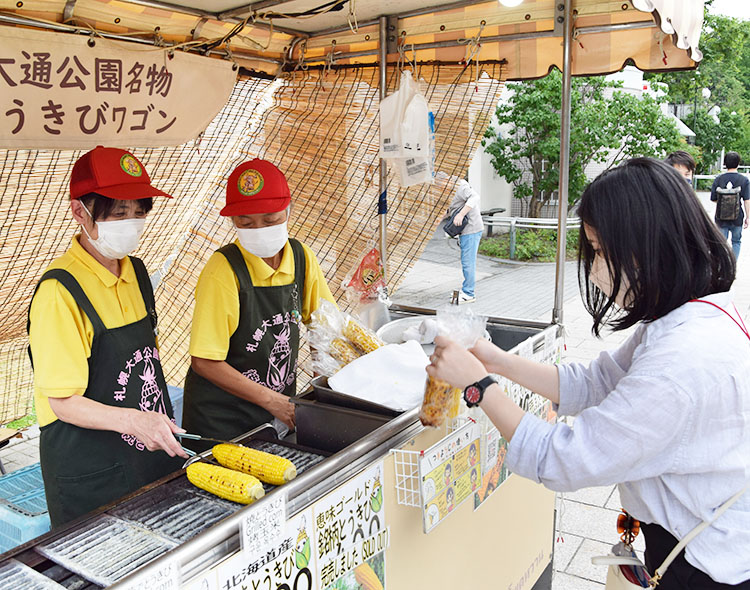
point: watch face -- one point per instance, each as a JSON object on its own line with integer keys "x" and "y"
{"x": 473, "y": 394}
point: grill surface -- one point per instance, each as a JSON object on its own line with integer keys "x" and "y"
{"x": 134, "y": 533}
{"x": 105, "y": 550}
{"x": 67, "y": 580}
{"x": 302, "y": 459}
{"x": 177, "y": 514}
{"x": 14, "y": 575}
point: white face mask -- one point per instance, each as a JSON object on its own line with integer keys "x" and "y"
{"x": 116, "y": 239}
{"x": 600, "y": 276}
{"x": 264, "y": 242}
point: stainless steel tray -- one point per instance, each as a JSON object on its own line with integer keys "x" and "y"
{"x": 106, "y": 549}
{"x": 14, "y": 575}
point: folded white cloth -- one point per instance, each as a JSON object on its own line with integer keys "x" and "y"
{"x": 392, "y": 376}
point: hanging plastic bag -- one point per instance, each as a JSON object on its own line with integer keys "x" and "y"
{"x": 392, "y": 114}
{"x": 363, "y": 282}
{"x": 407, "y": 133}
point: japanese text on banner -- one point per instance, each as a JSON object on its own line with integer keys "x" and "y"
{"x": 58, "y": 91}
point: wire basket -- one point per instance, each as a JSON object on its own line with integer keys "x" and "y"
{"x": 408, "y": 488}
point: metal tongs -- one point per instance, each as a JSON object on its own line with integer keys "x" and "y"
{"x": 198, "y": 456}
{"x": 192, "y": 454}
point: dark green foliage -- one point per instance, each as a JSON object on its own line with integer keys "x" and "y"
{"x": 725, "y": 71}
{"x": 527, "y": 155}
{"x": 532, "y": 245}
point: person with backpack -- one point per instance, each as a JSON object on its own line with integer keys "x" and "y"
{"x": 727, "y": 191}
{"x": 466, "y": 224}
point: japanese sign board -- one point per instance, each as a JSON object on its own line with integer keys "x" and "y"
{"x": 289, "y": 564}
{"x": 350, "y": 530}
{"x": 63, "y": 91}
{"x": 494, "y": 472}
{"x": 449, "y": 472}
{"x": 263, "y": 527}
{"x": 165, "y": 577}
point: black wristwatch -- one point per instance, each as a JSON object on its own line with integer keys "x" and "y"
{"x": 474, "y": 393}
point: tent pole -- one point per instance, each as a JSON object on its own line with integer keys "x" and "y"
{"x": 562, "y": 192}
{"x": 382, "y": 185}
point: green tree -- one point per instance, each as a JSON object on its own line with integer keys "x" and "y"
{"x": 603, "y": 129}
{"x": 725, "y": 71}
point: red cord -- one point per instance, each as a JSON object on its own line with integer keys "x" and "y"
{"x": 741, "y": 325}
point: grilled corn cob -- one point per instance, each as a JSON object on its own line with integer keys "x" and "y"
{"x": 265, "y": 466}
{"x": 225, "y": 483}
{"x": 363, "y": 338}
{"x": 440, "y": 398}
{"x": 342, "y": 351}
{"x": 367, "y": 578}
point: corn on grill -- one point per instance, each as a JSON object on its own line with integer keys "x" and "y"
{"x": 136, "y": 531}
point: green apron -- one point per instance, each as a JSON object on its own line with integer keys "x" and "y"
{"x": 263, "y": 348}
{"x": 85, "y": 469}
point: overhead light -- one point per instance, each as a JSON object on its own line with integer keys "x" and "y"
{"x": 510, "y": 3}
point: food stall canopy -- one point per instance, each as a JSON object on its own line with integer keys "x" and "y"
{"x": 306, "y": 98}
{"x": 271, "y": 35}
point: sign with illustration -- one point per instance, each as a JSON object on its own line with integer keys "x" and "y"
{"x": 449, "y": 472}
{"x": 351, "y": 533}
{"x": 78, "y": 91}
{"x": 291, "y": 563}
{"x": 494, "y": 471}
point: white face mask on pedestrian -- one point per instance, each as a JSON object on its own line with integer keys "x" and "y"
{"x": 117, "y": 238}
{"x": 264, "y": 242}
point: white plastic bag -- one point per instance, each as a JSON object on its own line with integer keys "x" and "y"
{"x": 392, "y": 114}
{"x": 442, "y": 400}
{"x": 407, "y": 133}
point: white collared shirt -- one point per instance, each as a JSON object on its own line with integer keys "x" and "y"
{"x": 667, "y": 416}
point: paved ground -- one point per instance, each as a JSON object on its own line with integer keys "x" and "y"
{"x": 586, "y": 519}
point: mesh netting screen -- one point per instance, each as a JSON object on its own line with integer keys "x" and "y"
{"x": 320, "y": 128}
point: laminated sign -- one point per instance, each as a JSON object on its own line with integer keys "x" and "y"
{"x": 449, "y": 473}
{"x": 63, "y": 91}
{"x": 351, "y": 534}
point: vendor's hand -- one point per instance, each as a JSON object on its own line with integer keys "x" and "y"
{"x": 488, "y": 354}
{"x": 458, "y": 220}
{"x": 280, "y": 406}
{"x": 451, "y": 362}
{"x": 744, "y": 223}
{"x": 156, "y": 431}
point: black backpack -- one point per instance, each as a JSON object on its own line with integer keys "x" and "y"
{"x": 728, "y": 202}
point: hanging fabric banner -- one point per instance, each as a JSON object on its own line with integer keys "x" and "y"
{"x": 63, "y": 91}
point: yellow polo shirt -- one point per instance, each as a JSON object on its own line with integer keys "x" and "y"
{"x": 61, "y": 333}
{"x": 217, "y": 298}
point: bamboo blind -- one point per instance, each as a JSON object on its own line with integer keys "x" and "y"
{"x": 319, "y": 126}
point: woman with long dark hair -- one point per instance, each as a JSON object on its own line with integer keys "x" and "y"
{"x": 666, "y": 415}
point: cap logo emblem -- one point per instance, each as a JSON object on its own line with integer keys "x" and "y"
{"x": 130, "y": 165}
{"x": 250, "y": 182}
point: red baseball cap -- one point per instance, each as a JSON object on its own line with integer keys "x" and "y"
{"x": 256, "y": 186}
{"x": 113, "y": 173}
